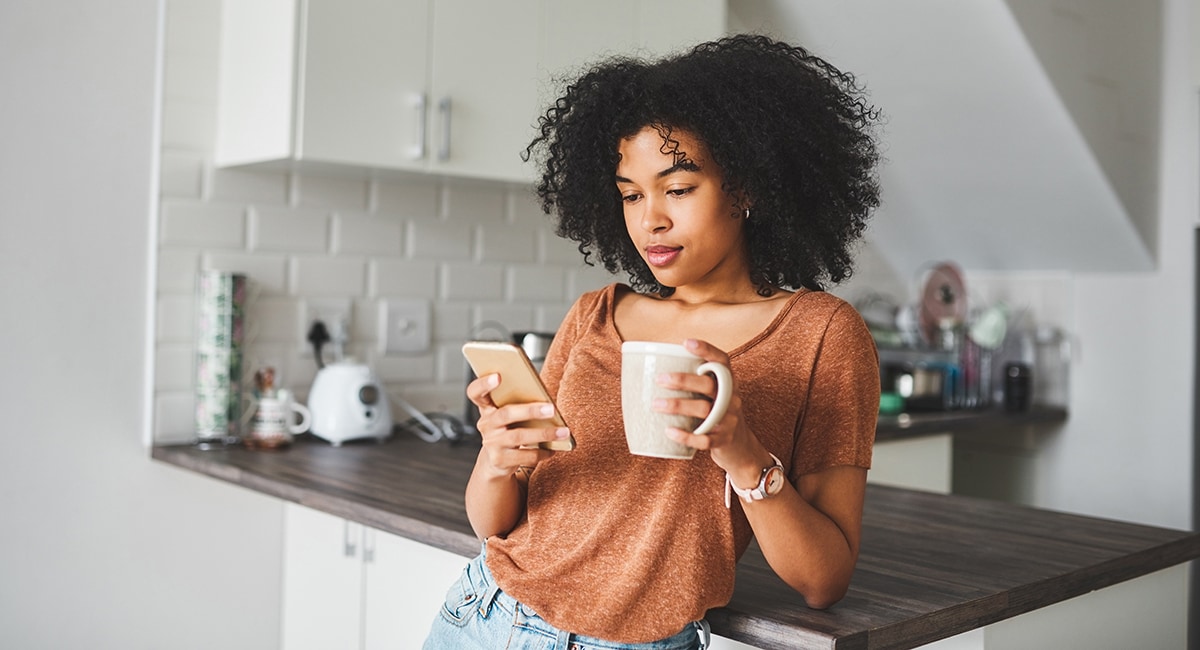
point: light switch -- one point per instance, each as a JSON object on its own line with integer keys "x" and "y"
{"x": 408, "y": 326}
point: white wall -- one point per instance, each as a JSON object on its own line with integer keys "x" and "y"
{"x": 102, "y": 548}
{"x": 1127, "y": 450}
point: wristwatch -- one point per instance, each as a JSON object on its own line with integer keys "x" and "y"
{"x": 770, "y": 483}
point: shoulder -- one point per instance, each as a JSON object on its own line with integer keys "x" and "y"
{"x": 814, "y": 308}
{"x": 590, "y": 307}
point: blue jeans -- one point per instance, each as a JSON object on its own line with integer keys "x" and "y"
{"x": 478, "y": 615}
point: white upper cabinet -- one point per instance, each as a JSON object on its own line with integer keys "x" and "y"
{"x": 438, "y": 86}
{"x": 484, "y": 86}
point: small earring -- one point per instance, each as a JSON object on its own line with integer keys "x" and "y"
{"x": 746, "y": 214}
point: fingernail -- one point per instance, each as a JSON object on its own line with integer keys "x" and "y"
{"x": 691, "y": 344}
{"x": 658, "y": 404}
{"x": 562, "y": 433}
{"x": 663, "y": 378}
{"x": 547, "y": 410}
{"x": 493, "y": 380}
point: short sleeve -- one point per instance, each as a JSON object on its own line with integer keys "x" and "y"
{"x": 837, "y": 425}
{"x": 565, "y": 338}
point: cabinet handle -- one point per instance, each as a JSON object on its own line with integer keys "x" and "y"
{"x": 417, "y": 150}
{"x": 349, "y": 546}
{"x": 368, "y": 545}
{"x": 443, "y": 153}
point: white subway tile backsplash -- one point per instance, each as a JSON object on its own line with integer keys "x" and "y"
{"x": 473, "y": 202}
{"x": 267, "y": 272}
{"x": 553, "y": 249}
{"x": 174, "y": 367}
{"x": 208, "y": 225}
{"x": 181, "y": 175}
{"x": 328, "y": 276}
{"x": 273, "y": 319}
{"x": 368, "y": 234}
{"x": 403, "y": 278}
{"x": 505, "y": 243}
{"x": 416, "y": 368}
{"x": 177, "y": 269}
{"x": 529, "y": 283}
{"x": 368, "y": 322}
{"x": 435, "y": 398}
{"x": 440, "y": 240}
{"x": 452, "y": 367}
{"x": 417, "y": 199}
{"x": 294, "y": 369}
{"x": 292, "y": 230}
{"x": 515, "y": 318}
{"x": 174, "y": 417}
{"x": 229, "y": 185}
{"x": 524, "y": 208}
{"x": 331, "y": 192}
{"x": 175, "y": 318}
{"x": 588, "y": 278}
{"x": 465, "y": 281}
{"x": 452, "y": 322}
{"x": 548, "y": 318}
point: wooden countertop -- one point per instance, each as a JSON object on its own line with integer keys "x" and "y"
{"x": 964, "y": 421}
{"x": 931, "y": 566}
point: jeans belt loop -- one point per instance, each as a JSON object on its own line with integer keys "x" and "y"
{"x": 489, "y": 597}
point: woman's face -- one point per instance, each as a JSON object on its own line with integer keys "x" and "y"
{"x": 686, "y": 227}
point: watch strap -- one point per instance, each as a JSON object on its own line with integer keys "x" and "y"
{"x": 756, "y": 493}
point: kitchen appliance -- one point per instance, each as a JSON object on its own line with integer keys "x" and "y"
{"x": 347, "y": 402}
{"x": 943, "y": 307}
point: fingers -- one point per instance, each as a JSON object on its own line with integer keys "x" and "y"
{"x": 511, "y": 435}
{"x": 706, "y": 351}
{"x": 480, "y": 389}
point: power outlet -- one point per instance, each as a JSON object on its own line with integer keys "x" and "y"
{"x": 334, "y": 312}
{"x": 407, "y": 330}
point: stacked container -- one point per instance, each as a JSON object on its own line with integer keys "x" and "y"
{"x": 220, "y": 331}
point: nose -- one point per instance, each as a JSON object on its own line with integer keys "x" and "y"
{"x": 654, "y": 217}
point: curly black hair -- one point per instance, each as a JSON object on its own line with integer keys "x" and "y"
{"x": 790, "y": 131}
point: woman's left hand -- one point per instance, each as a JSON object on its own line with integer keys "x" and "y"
{"x": 730, "y": 441}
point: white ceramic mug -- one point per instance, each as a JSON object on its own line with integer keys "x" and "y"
{"x": 277, "y": 415}
{"x": 645, "y": 429}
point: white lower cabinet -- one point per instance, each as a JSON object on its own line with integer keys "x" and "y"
{"x": 349, "y": 586}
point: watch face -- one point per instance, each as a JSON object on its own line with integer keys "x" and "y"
{"x": 773, "y": 482}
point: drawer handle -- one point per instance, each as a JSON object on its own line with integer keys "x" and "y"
{"x": 417, "y": 150}
{"x": 444, "y": 113}
{"x": 349, "y": 547}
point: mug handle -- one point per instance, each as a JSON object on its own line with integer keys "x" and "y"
{"x": 724, "y": 393}
{"x": 305, "y": 417}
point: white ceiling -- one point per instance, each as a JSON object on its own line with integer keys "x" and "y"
{"x": 984, "y": 163}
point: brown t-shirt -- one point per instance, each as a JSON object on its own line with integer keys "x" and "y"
{"x": 631, "y": 548}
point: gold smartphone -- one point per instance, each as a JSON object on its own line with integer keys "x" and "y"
{"x": 519, "y": 382}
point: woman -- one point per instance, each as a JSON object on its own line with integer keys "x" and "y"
{"x": 729, "y": 183}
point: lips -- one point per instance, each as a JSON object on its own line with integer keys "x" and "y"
{"x": 661, "y": 255}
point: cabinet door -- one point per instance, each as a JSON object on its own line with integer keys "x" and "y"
{"x": 363, "y": 79}
{"x": 322, "y": 581}
{"x": 406, "y": 583}
{"x": 484, "y": 61}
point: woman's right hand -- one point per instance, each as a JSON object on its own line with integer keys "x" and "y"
{"x": 507, "y": 448}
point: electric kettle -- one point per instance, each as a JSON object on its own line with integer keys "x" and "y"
{"x": 347, "y": 402}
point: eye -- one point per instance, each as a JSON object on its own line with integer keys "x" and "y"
{"x": 681, "y": 191}
{"x": 631, "y": 197}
